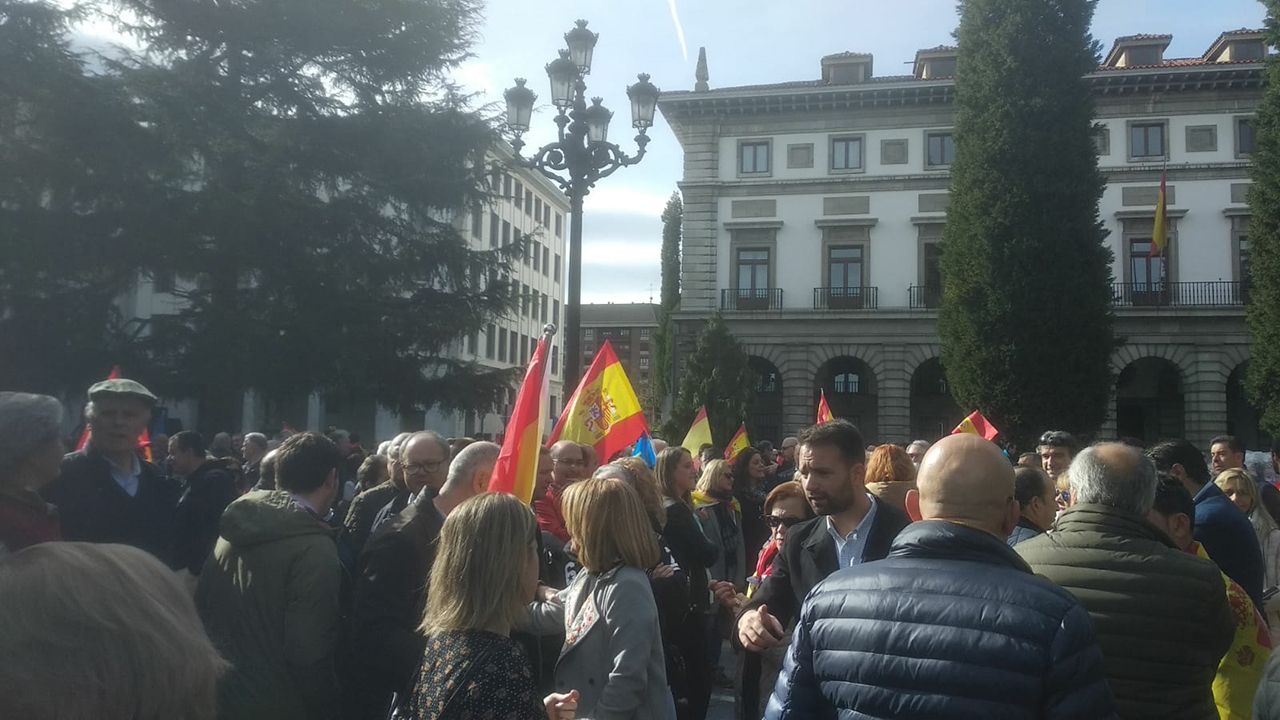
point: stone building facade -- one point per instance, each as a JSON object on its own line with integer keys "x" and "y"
{"x": 813, "y": 214}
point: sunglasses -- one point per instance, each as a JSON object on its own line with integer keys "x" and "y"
{"x": 775, "y": 521}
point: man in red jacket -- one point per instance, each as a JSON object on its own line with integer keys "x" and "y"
{"x": 568, "y": 465}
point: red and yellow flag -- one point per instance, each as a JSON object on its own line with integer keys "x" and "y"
{"x": 977, "y": 424}
{"x": 604, "y": 411}
{"x": 737, "y": 444}
{"x": 699, "y": 433}
{"x": 517, "y": 466}
{"x": 824, "y": 410}
{"x": 1159, "y": 233}
{"x": 144, "y": 440}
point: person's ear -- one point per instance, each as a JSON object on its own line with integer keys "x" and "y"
{"x": 858, "y": 474}
{"x": 1180, "y": 524}
{"x": 913, "y": 505}
{"x": 332, "y": 480}
{"x": 1012, "y": 511}
{"x": 480, "y": 481}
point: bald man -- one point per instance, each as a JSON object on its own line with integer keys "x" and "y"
{"x": 952, "y": 624}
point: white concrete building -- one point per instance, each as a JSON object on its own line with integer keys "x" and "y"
{"x": 814, "y": 211}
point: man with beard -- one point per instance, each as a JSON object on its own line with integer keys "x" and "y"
{"x": 852, "y": 527}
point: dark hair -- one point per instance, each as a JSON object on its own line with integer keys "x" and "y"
{"x": 1172, "y": 498}
{"x": 709, "y": 453}
{"x": 304, "y": 461}
{"x": 790, "y": 490}
{"x": 1028, "y": 484}
{"x": 740, "y": 463}
{"x": 1230, "y": 441}
{"x": 1060, "y": 438}
{"x": 1180, "y": 452}
{"x": 840, "y": 434}
{"x": 190, "y": 441}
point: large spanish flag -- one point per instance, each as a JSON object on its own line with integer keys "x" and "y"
{"x": 1159, "y": 231}
{"x": 517, "y": 466}
{"x": 604, "y": 411}
{"x": 737, "y": 444}
{"x": 977, "y": 424}
{"x": 699, "y": 433}
{"x": 824, "y": 410}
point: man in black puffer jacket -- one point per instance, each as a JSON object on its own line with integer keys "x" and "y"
{"x": 952, "y": 624}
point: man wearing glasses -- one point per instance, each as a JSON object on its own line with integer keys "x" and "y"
{"x": 568, "y": 465}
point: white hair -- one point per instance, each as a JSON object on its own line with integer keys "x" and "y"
{"x": 469, "y": 459}
{"x": 1128, "y": 486}
{"x": 27, "y": 422}
{"x": 921, "y": 445}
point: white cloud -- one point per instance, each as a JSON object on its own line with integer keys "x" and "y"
{"x": 621, "y": 253}
{"x": 625, "y": 200}
{"x": 675, "y": 18}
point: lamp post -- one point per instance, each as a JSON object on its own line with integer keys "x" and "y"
{"x": 581, "y": 155}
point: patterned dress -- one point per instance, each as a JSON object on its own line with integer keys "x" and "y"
{"x": 475, "y": 675}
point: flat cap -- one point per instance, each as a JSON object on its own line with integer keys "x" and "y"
{"x": 122, "y": 386}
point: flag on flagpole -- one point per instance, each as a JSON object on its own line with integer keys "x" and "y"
{"x": 824, "y": 410}
{"x": 517, "y": 468}
{"x": 699, "y": 433}
{"x": 737, "y": 444}
{"x": 977, "y": 424}
{"x": 644, "y": 451}
{"x": 604, "y": 411}
{"x": 1159, "y": 233}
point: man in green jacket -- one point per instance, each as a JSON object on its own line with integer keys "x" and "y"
{"x": 1161, "y": 615}
{"x": 269, "y": 594}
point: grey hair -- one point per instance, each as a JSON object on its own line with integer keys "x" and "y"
{"x": 256, "y": 438}
{"x": 922, "y": 444}
{"x": 1117, "y": 485}
{"x": 27, "y": 422}
{"x": 469, "y": 458}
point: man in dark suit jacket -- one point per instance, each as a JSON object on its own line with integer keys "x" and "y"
{"x": 852, "y": 527}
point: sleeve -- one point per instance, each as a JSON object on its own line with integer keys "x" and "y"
{"x": 774, "y": 591}
{"x": 384, "y": 630}
{"x": 631, "y": 619}
{"x": 1076, "y": 686}
{"x": 796, "y": 695}
{"x": 204, "y": 534}
{"x": 546, "y": 618}
{"x": 311, "y": 628}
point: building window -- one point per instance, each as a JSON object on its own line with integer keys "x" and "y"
{"x": 644, "y": 362}
{"x": 559, "y": 226}
{"x": 528, "y": 202}
{"x": 941, "y": 148}
{"x": 800, "y": 156}
{"x": 542, "y": 312}
{"x": 546, "y": 214}
{"x": 1244, "y": 137}
{"x": 555, "y": 367}
{"x": 546, "y": 260}
{"x": 502, "y": 344}
{"x": 557, "y": 277}
{"x": 589, "y": 334}
{"x": 537, "y": 256}
{"x": 645, "y": 333}
{"x": 1146, "y": 140}
{"x": 846, "y": 153}
{"x": 537, "y": 208}
{"x": 844, "y": 266}
{"x": 524, "y": 299}
{"x": 524, "y": 350}
{"x": 473, "y": 342}
{"x": 1102, "y": 140}
{"x": 753, "y": 269}
{"x": 489, "y": 341}
{"x": 477, "y": 224}
{"x": 753, "y": 157}
{"x": 514, "y": 349}
{"x": 555, "y": 312}
{"x": 1146, "y": 272}
{"x": 493, "y": 230}
{"x": 519, "y": 193}
{"x": 848, "y": 383}
{"x": 506, "y": 233}
{"x": 506, "y": 185}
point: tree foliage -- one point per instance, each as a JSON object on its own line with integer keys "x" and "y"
{"x": 716, "y": 375}
{"x": 1264, "y": 242}
{"x": 1026, "y": 321}
{"x": 672, "y": 217}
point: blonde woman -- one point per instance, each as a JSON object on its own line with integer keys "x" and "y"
{"x": 612, "y": 651}
{"x": 1242, "y": 489}
{"x": 485, "y": 574}
{"x": 101, "y": 632}
{"x": 721, "y": 517}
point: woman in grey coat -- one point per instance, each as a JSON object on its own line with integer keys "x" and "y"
{"x": 612, "y": 652}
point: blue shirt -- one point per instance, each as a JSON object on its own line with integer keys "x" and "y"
{"x": 850, "y": 548}
{"x": 126, "y": 478}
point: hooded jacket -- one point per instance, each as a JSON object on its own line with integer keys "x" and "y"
{"x": 269, "y": 599}
{"x": 1161, "y": 615}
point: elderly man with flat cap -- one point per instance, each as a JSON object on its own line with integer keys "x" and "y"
{"x": 952, "y": 624}
{"x": 106, "y": 492}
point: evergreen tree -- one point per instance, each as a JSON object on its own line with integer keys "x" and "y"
{"x": 672, "y": 217}
{"x": 1264, "y": 242}
{"x": 716, "y": 375}
{"x": 1026, "y": 320}
{"x": 316, "y": 158}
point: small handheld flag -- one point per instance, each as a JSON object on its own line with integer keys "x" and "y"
{"x": 699, "y": 433}
{"x": 824, "y": 410}
{"x": 977, "y": 424}
{"x": 604, "y": 411}
{"x": 644, "y": 451}
{"x": 737, "y": 444}
{"x": 517, "y": 466}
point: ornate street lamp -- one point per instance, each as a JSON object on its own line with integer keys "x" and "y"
{"x": 580, "y": 156}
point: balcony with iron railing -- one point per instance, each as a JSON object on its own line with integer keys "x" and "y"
{"x": 924, "y": 297}
{"x": 1214, "y": 293}
{"x": 846, "y": 298}
{"x": 751, "y": 299}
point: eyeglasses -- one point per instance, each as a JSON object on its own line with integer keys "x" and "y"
{"x": 423, "y": 467}
{"x": 776, "y": 520}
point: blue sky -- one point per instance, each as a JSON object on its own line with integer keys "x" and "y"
{"x": 747, "y": 41}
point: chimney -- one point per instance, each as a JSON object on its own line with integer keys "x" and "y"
{"x": 847, "y": 68}
{"x": 1137, "y": 50}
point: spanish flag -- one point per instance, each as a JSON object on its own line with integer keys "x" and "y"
{"x": 1159, "y": 233}
{"x": 824, "y": 410}
{"x": 604, "y": 411}
{"x": 699, "y": 433}
{"x": 977, "y": 424}
{"x": 517, "y": 466}
{"x": 737, "y": 444}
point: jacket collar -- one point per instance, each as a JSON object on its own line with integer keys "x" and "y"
{"x": 1092, "y": 517}
{"x": 943, "y": 540}
{"x": 1023, "y": 522}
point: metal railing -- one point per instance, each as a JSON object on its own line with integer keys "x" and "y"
{"x": 924, "y": 296}
{"x": 1178, "y": 294}
{"x": 846, "y": 298}
{"x": 751, "y": 299}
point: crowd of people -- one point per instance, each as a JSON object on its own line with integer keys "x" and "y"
{"x": 303, "y": 576}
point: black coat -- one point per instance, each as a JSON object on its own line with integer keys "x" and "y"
{"x": 390, "y": 597}
{"x": 809, "y": 555}
{"x": 208, "y": 492}
{"x": 94, "y": 508}
{"x": 692, "y": 550}
{"x": 952, "y": 624}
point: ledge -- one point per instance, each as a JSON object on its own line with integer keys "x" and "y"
{"x": 1148, "y": 213}
{"x": 752, "y": 224}
{"x": 827, "y": 222}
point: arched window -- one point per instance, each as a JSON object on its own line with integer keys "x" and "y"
{"x": 848, "y": 383}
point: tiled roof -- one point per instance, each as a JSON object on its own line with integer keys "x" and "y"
{"x": 938, "y": 49}
{"x": 846, "y": 55}
{"x": 1143, "y": 36}
{"x": 1243, "y": 31}
{"x": 1179, "y": 62}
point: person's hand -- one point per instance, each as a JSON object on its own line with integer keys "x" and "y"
{"x": 547, "y": 594}
{"x": 561, "y": 706}
{"x": 758, "y": 630}
{"x": 724, "y": 592}
{"x": 661, "y": 571}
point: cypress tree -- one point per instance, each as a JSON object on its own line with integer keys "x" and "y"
{"x": 1263, "y": 378}
{"x": 672, "y": 217}
{"x": 1026, "y": 321}
{"x": 718, "y": 376}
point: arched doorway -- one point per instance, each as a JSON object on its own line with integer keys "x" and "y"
{"x": 765, "y": 418}
{"x": 1242, "y": 417}
{"x": 850, "y": 386}
{"x": 1149, "y": 403}
{"x": 933, "y": 412}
